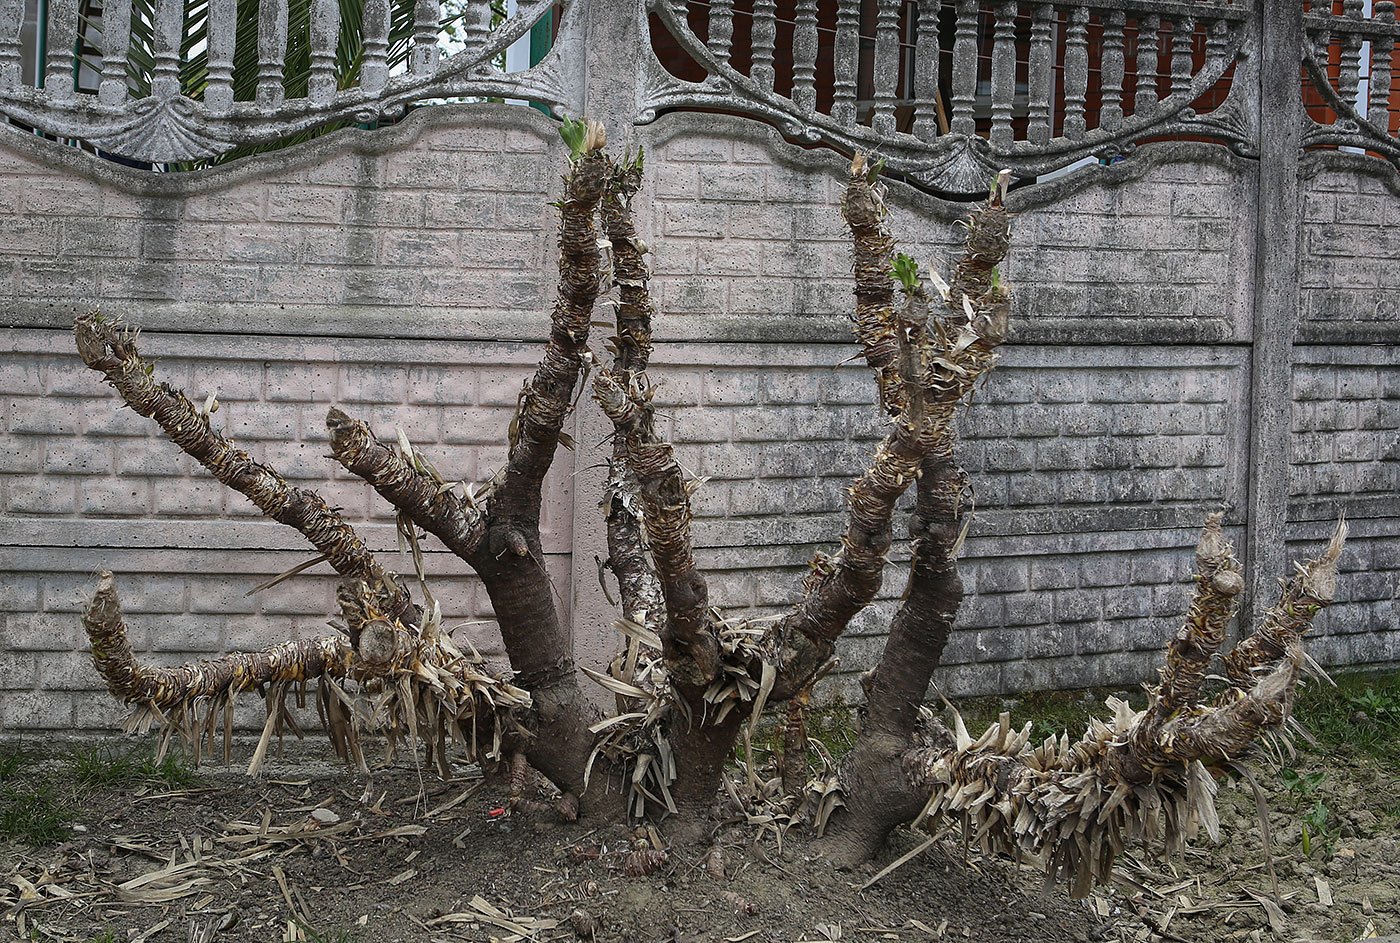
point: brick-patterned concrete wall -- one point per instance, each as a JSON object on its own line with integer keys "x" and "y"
{"x": 457, "y": 220}
{"x": 1346, "y": 398}
{"x": 1351, "y": 243}
{"x": 1147, "y": 251}
{"x": 388, "y": 273}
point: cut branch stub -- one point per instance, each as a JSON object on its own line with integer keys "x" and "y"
{"x": 1310, "y": 589}
{"x": 1218, "y": 583}
{"x": 109, "y": 347}
{"x": 629, "y": 268}
{"x": 988, "y": 237}
{"x": 872, "y": 249}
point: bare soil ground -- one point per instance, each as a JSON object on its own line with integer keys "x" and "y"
{"x": 311, "y": 852}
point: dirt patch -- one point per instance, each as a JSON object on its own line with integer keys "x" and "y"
{"x": 411, "y": 858}
{"x": 1341, "y": 884}
{"x": 311, "y": 852}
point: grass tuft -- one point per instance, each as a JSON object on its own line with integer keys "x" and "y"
{"x": 329, "y": 936}
{"x": 1362, "y": 713}
{"x": 103, "y": 766}
{"x": 14, "y": 759}
{"x": 38, "y": 802}
{"x": 36, "y": 814}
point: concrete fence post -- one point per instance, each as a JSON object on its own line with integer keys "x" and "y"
{"x": 1276, "y": 295}
{"x": 614, "y": 40}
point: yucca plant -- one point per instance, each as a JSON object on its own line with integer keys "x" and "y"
{"x": 688, "y": 683}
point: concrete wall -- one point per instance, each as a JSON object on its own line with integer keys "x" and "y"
{"x": 406, "y": 275}
{"x": 1346, "y": 396}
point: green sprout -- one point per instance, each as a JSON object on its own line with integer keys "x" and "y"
{"x": 906, "y": 272}
{"x": 573, "y": 132}
{"x": 875, "y": 169}
{"x": 1300, "y": 786}
{"x": 1315, "y": 826}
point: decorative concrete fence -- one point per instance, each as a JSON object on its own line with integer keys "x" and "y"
{"x": 1204, "y": 309}
{"x": 1051, "y": 83}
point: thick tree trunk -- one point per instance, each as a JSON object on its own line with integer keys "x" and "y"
{"x": 880, "y": 793}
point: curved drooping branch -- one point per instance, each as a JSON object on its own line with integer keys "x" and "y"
{"x": 134, "y": 682}
{"x": 409, "y": 683}
{"x": 106, "y": 345}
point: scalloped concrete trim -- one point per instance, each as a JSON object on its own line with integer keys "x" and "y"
{"x": 376, "y": 143}
{"x": 1145, "y": 158}
{"x": 1316, "y": 162}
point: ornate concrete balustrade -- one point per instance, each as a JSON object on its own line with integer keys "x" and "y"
{"x": 1151, "y": 61}
{"x": 176, "y": 118}
{"x": 1350, "y": 59}
{"x": 947, "y": 90}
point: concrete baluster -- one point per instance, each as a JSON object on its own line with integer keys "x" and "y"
{"x": 1040, "y": 76}
{"x": 804, "y": 56}
{"x": 116, "y": 41}
{"x": 1111, "y": 76}
{"x": 886, "y": 65}
{"x": 325, "y": 35}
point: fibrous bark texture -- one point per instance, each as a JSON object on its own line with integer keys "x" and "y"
{"x": 690, "y": 682}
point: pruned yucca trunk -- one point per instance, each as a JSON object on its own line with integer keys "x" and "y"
{"x": 689, "y": 679}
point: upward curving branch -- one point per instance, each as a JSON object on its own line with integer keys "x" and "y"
{"x": 638, "y": 584}
{"x": 1143, "y": 774}
{"x": 549, "y": 395}
{"x": 925, "y": 367}
{"x": 689, "y": 642}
